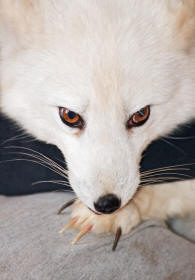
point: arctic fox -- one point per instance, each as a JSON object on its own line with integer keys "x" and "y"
{"x": 102, "y": 79}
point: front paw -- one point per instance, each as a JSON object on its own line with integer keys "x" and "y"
{"x": 119, "y": 222}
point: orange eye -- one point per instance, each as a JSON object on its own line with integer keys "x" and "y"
{"x": 71, "y": 118}
{"x": 139, "y": 118}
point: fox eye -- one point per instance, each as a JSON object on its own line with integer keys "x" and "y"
{"x": 71, "y": 118}
{"x": 139, "y": 118}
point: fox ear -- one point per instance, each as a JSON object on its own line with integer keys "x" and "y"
{"x": 184, "y": 13}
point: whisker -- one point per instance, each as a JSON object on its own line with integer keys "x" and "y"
{"x": 34, "y": 161}
{"x": 171, "y": 167}
{"x": 42, "y": 161}
{"x": 173, "y": 145}
{"x": 179, "y": 138}
{"x": 34, "y": 151}
{"x": 28, "y": 141}
{"x": 165, "y": 173}
{"x": 45, "y": 160}
{"x": 41, "y": 157}
{"x": 161, "y": 179}
{"x": 163, "y": 169}
{"x": 64, "y": 190}
{"x": 15, "y": 138}
{"x": 52, "y": 181}
{"x": 154, "y": 182}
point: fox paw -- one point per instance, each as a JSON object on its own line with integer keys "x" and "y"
{"x": 119, "y": 222}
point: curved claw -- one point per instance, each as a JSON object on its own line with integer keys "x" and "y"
{"x": 117, "y": 237}
{"x": 67, "y": 204}
{"x": 86, "y": 229}
{"x": 69, "y": 224}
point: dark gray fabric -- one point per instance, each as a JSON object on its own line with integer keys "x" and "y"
{"x": 32, "y": 249}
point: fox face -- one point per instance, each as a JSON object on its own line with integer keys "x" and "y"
{"x": 101, "y": 80}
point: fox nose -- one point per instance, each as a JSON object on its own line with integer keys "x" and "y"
{"x": 107, "y": 204}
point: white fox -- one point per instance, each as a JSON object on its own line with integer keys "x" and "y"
{"x": 101, "y": 80}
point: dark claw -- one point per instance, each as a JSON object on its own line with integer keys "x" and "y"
{"x": 117, "y": 237}
{"x": 67, "y": 204}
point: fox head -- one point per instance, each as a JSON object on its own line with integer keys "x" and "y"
{"x": 101, "y": 80}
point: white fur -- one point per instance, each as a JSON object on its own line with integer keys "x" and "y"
{"x": 104, "y": 59}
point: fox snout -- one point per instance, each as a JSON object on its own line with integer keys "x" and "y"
{"x": 104, "y": 191}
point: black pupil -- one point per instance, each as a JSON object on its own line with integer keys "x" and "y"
{"x": 141, "y": 113}
{"x": 71, "y": 115}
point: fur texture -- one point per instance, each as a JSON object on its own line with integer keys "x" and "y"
{"x": 104, "y": 60}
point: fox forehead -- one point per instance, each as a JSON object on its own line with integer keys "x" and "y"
{"x": 141, "y": 80}
{"x": 107, "y": 53}
{"x": 114, "y": 47}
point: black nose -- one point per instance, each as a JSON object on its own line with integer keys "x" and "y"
{"x": 107, "y": 204}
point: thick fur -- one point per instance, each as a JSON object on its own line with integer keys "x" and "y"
{"x": 104, "y": 59}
